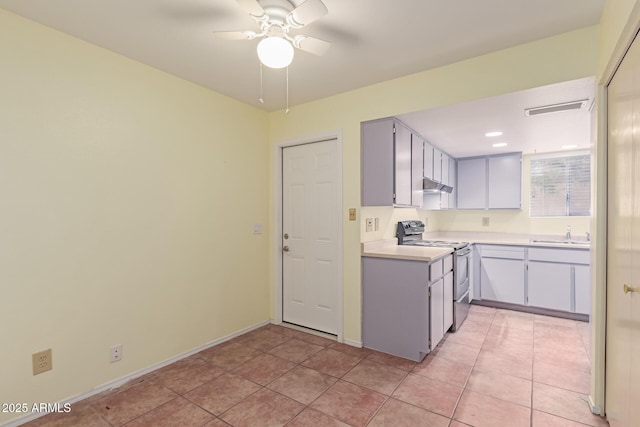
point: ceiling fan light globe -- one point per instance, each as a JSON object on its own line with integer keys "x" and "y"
{"x": 275, "y": 52}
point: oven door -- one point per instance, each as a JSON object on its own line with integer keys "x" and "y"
{"x": 461, "y": 272}
{"x": 460, "y": 311}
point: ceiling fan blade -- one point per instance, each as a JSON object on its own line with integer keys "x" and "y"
{"x": 311, "y": 44}
{"x": 251, "y": 6}
{"x": 235, "y": 35}
{"x": 306, "y": 13}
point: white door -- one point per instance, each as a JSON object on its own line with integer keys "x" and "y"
{"x": 622, "y": 404}
{"x": 312, "y": 235}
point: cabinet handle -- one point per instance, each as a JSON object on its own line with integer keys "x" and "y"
{"x": 628, "y": 289}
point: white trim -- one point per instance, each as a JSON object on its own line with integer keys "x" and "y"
{"x": 119, "y": 382}
{"x": 560, "y": 154}
{"x": 594, "y": 409}
{"x": 353, "y": 343}
{"x": 277, "y": 221}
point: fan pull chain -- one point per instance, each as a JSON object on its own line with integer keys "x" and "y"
{"x": 287, "y": 110}
{"x": 261, "y": 99}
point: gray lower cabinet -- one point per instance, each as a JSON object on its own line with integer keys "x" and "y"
{"x": 404, "y": 312}
{"x": 448, "y": 301}
{"x": 395, "y": 306}
{"x": 550, "y": 278}
{"x": 582, "y": 280}
{"x": 436, "y": 324}
{"x": 560, "y": 279}
{"x": 549, "y": 285}
{"x": 502, "y": 274}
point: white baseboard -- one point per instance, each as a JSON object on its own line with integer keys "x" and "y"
{"x": 353, "y": 343}
{"x": 111, "y": 385}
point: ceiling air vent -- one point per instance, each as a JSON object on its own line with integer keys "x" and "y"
{"x": 555, "y": 108}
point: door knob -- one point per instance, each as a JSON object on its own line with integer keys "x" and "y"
{"x": 628, "y": 289}
{"x": 286, "y": 236}
{"x": 285, "y": 249}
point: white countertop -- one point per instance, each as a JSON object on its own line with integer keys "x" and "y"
{"x": 505, "y": 239}
{"x": 389, "y": 249}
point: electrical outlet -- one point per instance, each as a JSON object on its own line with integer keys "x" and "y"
{"x": 115, "y": 353}
{"x": 485, "y": 221}
{"x": 257, "y": 228}
{"x": 369, "y": 224}
{"x": 42, "y": 361}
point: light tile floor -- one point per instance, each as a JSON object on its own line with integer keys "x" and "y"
{"x": 502, "y": 368}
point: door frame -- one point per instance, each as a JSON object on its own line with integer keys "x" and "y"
{"x": 597, "y": 399}
{"x": 277, "y": 221}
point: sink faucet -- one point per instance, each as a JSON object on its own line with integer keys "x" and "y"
{"x": 568, "y": 232}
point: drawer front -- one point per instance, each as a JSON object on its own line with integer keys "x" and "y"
{"x": 508, "y": 252}
{"x": 567, "y": 256}
{"x": 448, "y": 264}
{"x": 435, "y": 270}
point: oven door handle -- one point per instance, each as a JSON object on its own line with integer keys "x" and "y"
{"x": 463, "y": 252}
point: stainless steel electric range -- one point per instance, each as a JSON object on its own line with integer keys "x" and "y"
{"x": 410, "y": 233}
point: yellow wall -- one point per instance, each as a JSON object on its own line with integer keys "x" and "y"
{"x": 615, "y": 16}
{"x": 127, "y": 198}
{"x": 564, "y": 57}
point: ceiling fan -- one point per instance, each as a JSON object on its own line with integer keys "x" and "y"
{"x": 275, "y": 19}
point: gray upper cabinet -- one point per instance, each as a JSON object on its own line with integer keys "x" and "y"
{"x": 490, "y": 182}
{"x": 417, "y": 170}
{"x": 427, "y": 157}
{"x": 386, "y": 165}
{"x": 505, "y": 181}
{"x": 472, "y": 183}
{"x": 403, "y": 165}
{"x": 437, "y": 165}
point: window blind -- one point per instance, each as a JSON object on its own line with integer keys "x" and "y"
{"x": 561, "y": 186}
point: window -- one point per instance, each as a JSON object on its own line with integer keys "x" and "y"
{"x": 561, "y": 186}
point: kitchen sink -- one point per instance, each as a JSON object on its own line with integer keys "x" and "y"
{"x": 562, "y": 241}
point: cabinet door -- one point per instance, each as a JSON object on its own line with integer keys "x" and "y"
{"x": 453, "y": 182}
{"x": 505, "y": 178}
{"x": 402, "y": 148}
{"x": 582, "y": 277}
{"x": 472, "y": 183}
{"x": 502, "y": 280}
{"x": 444, "y": 197}
{"x": 549, "y": 285}
{"x": 448, "y": 301}
{"x": 417, "y": 170}
{"x": 377, "y": 163}
{"x": 428, "y": 160}
{"x": 437, "y": 165}
{"x": 437, "y": 312}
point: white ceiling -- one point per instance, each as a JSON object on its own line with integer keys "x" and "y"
{"x": 460, "y": 129}
{"x": 372, "y": 40}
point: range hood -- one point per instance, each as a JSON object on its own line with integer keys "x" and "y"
{"x": 431, "y": 186}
